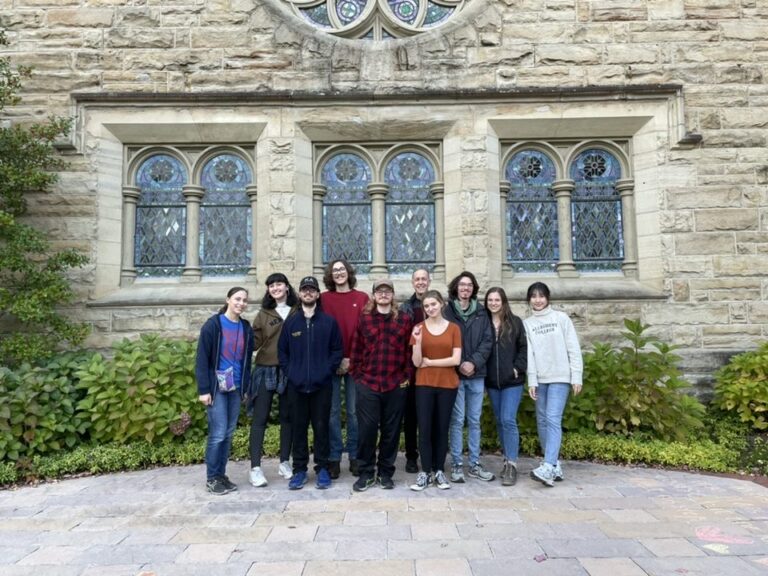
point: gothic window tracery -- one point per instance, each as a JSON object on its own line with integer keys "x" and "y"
{"x": 160, "y": 217}
{"x": 376, "y": 19}
{"x": 531, "y": 212}
{"x": 188, "y": 214}
{"x": 347, "y": 210}
{"x": 410, "y": 212}
{"x": 379, "y": 205}
{"x": 567, "y": 220}
{"x": 225, "y": 216}
{"x": 598, "y": 243}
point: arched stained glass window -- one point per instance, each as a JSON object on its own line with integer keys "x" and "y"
{"x": 160, "y": 236}
{"x": 225, "y": 216}
{"x": 598, "y": 243}
{"x": 532, "y": 244}
{"x": 347, "y": 210}
{"x": 376, "y": 19}
{"x": 410, "y": 213}
{"x": 405, "y": 10}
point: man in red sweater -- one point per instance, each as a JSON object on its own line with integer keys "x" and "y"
{"x": 344, "y": 304}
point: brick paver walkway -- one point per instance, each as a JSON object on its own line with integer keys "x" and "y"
{"x": 601, "y": 521}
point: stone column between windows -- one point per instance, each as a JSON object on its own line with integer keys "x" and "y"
{"x": 437, "y": 189}
{"x": 377, "y": 192}
{"x": 251, "y": 191}
{"x": 504, "y": 189}
{"x": 193, "y": 195}
{"x": 563, "y": 190}
{"x": 626, "y": 189}
{"x": 131, "y": 195}
{"x": 318, "y": 193}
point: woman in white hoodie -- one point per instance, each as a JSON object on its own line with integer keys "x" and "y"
{"x": 554, "y": 367}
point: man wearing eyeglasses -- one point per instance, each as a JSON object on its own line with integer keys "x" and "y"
{"x": 342, "y": 302}
{"x": 476, "y": 343}
{"x": 379, "y": 364}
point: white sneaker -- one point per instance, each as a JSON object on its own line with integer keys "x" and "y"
{"x": 558, "y": 472}
{"x": 457, "y": 474}
{"x": 422, "y": 481}
{"x": 441, "y": 481}
{"x": 544, "y": 474}
{"x": 285, "y": 469}
{"x": 257, "y": 477}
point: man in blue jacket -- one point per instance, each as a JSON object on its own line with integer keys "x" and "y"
{"x": 309, "y": 351}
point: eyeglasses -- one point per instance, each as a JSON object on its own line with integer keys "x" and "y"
{"x": 338, "y": 270}
{"x": 384, "y": 291}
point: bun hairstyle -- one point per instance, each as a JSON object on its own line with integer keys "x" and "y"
{"x": 232, "y": 291}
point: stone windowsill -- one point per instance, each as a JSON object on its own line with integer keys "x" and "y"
{"x": 213, "y": 293}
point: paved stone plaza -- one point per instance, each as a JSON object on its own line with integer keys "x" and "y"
{"x": 602, "y": 521}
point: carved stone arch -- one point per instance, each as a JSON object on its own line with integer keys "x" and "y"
{"x": 213, "y": 151}
{"x": 409, "y": 147}
{"x": 607, "y": 145}
{"x": 598, "y": 245}
{"x": 376, "y": 19}
{"x": 147, "y": 152}
{"x": 543, "y": 147}
{"x": 342, "y": 149}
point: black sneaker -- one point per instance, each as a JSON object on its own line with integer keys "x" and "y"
{"x": 228, "y": 484}
{"x": 216, "y": 486}
{"x": 386, "y": 482}
{"x": 354, "y": 467}
{"x": 412, "y": 466}
{"x": 334, "y": 469}
{"x": 362, "y": 484}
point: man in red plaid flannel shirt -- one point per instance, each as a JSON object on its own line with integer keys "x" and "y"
{"x": 379, "y": 365}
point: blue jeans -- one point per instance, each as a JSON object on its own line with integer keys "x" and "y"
{"x": 550, "y": 405}
{"x": 505, "y": 403}
{"x": 469, "y": 404}
{"x": 222, "y": 420}
{"x": 337, "y": 445}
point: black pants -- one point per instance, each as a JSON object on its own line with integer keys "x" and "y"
{"x": 410, "y": 424}
{"x": 379, "y": 415}
{"x": 262, "y": 406}
{"x": 434, "y": 407}
{"x": 314, "y": 408}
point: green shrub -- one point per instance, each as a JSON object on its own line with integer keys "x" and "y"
{"x": 8, "y": 473}
{"x": 145, "y": 392}
{"x": 115, "y": 457}
{"x": 756, "y": 456}
{"x": 34, "y": 280}
{"x": 703, "y": 454}
{"x": 38, "y": 414}
{"x": 634, "y": 389}
{"x": 741, "y": 386}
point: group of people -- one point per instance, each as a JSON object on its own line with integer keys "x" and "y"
{"x": 423, "y": 366}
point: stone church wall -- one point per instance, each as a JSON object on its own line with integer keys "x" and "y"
{"x": 683, "y": 82}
